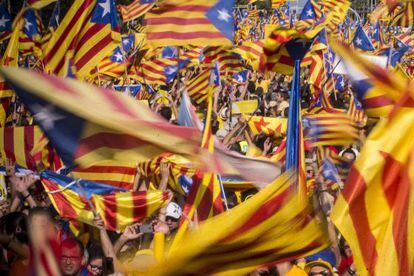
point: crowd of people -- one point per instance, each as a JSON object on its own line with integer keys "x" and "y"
{"x": 26, "y": 205}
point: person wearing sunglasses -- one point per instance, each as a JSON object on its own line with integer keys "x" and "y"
{"x": 95, "y": 260}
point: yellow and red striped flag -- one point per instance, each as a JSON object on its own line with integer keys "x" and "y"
{"x": 197, "y": 87}
{"x": 193, "y": 22}
{"x": 205, "y": 194}
{"x": 118, "y": 208}
{"x": 17, "y": 143}
{"x": 403, "y": 14}
{"x": 118, "y": 174}
{"x": 252, "y": 52}
{"x": 38, "y": 4}
{"x": 272, "y": 226}
{"x": 91, "y": 132}
{"x": 180, "y": 168}
{"x": 88, "y": 33}
{"x": 374, "y": 212}
{"x": 135, "y": 9}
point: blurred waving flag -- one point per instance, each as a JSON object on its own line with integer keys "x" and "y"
{"x": 38, "y": 4}
{"x": 270, "y": 227}
{"x": 93, "y": 131}
{"x": 135, "y": 9}
{"x": 5, "y": 21}
{"x": 194, "y": 22}
{"x": 272, "y": 126}
{"x": 88, "y": 33}
{"x": 375, "y": 88}
{"x": 374, "y": 211}
{"x": 117, "y": 207}
{"x": 362, "y": 41}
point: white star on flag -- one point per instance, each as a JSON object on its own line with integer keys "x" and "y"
{"x": 170, "y": 70}
{"x": 125, "y": 41}
{"x": 106, "y": 7}
{"x": 223, "y": 15}
{"x": 3, "y": 21}
{"x": 27, "y": 25}
{"x": 45, "y": 115}
{"x": 309, "y": 13}
{"x": 358, "y": 41}
{"x": 118, "y": 56}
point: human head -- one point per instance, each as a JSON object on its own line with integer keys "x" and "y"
{"x": 72, "y": 257}
{"x": 166, "y": 112}
{"x": 319, "y": 268}
{"x": 15, "y": 224}
{"x": 173, "y": 215}
{"x": 95, "y": 260}
{"x": 349, "y": 154}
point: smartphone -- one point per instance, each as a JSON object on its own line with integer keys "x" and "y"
{"x": 108, "y": 266}
{"x": 146, "y": 228}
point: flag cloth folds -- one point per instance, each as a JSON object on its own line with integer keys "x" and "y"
{"x": 204, "y": 197}
{"x": 135, "y": 9}
{"x": 117, "y": 207}
{"x": 375, "y": 88}
{"x": 106, "y": 126}
{"x": 272, "y": 226}
{"x": 193, "y": 22}
{"x": 118, "y": 174}
{"x": 374, "y": 212}
{"x": 88, "y": 33}
{"x": 16, "y": 144}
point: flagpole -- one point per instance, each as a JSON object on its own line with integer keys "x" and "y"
{"x": 223, "y": 194}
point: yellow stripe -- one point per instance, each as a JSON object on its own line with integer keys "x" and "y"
{"x": 124, "y": 211}
{"x": 51, "y": 65}
{"x": 18, "y": 139}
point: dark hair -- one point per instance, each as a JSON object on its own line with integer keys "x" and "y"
{"x": 16, "y": 221}
{"x": 260, "y": 139}
{"x": 166, "y": 112}
{"x": 95, "y": 252}
{"x": 236, "y": 147}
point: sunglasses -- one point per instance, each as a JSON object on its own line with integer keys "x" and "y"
{"x": 172, "y": 219}
{"x": 95, "y": 267}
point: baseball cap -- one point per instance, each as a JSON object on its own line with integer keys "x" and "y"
{"x": 173, "y": 210}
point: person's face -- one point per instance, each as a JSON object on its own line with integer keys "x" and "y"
{"x": 349, "y": 156}
{"x": 319, "y": 271}
{"x": 4, "y": 207}
{"x": 95, "y": 266}
{"x": 172, "y": 223}
{"x": 71, "y": 260}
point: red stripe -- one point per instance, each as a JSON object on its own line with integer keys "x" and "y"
{"x": 179, "y": 21}
{"x": 206, "y": 202}
{"x": 104, "y": 42}
{"x": 167, "y": 8}
{"x": 267, "y": 210}
{"x": 9, "y": 143}
{"x": 109, "y": 140}
{"x": 108, "y": 169}
{"x": 139, "y": 201}
{"x": 119, "y": 184}
{"x": 354, "y": 194}
{"x": 110, "y": 211}
{"x": 396, "y": 185}
{"x": 61, "y": 41}
{"x": 177, "y": 35}
{"x": 28, "y": 146}
{"x": 378, "y": 101}
{"x": 286, "y": 60}
{"x": 64, "y": 207}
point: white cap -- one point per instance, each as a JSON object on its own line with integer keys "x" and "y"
{"x": 173, "y": 210}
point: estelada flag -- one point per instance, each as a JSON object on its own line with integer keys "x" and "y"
{"x": 117, "y": 207}
{"x": 193, "y": 22}
{"x": 104, "y": 126}
{"x": 374, "y": 212}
